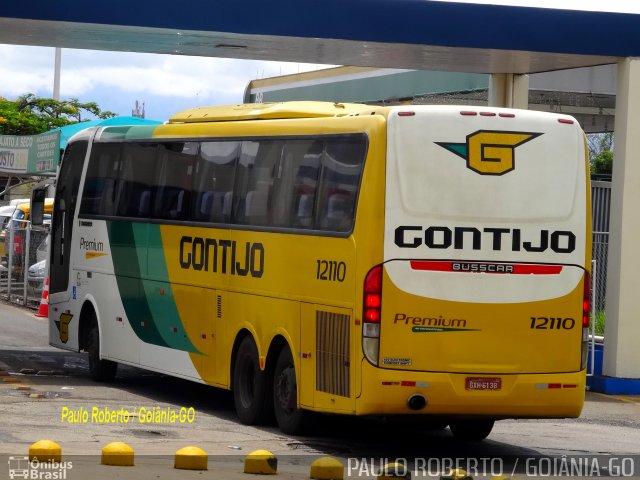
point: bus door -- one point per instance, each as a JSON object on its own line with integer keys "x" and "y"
{"x": 68, "y": 183}
{"x": 485, "y": 243}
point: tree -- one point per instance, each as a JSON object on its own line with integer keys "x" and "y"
{"x": 600, "y": 153}
{"x": 31, "y": 115}
{"x": 602, "y": 164}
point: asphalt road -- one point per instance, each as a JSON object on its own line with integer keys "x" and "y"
{"x": 53, "y": 388}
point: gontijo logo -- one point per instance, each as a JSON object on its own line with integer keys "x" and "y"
{"x": 489, "y": 152}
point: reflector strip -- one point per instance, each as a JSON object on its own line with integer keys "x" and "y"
{"x": 405, "y": 383}
{"x": 486, "y": 267}
{"x": 406, "y": 114}
{"x": 553, "y": 385}
{"x": 565, "y": 120}
{"x": 468, "y": 113}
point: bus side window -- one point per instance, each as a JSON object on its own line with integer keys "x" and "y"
{"x": 305, "y": 168}
{"x": 98, "y": 195}
{"x": 137, "y": 180}
{"x": 255, "y": 180}
{"x": 175, "y": 181}
{"x": 214, "y": 177}
{"x": 342, "y": 164}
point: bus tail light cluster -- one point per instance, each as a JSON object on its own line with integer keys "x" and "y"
{"x": 372, "y": 313}
{"x": 586, "y": 317}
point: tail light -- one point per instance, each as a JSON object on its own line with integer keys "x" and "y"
{"x": 586, "y": 301}
{"x": 586, "y": 317}
{"x": 372, "y": 313}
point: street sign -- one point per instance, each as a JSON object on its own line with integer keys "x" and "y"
{"x": 30, "y": 154}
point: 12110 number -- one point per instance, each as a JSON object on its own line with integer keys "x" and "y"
{"x": 552, "y": 323}
{"x": 331, "y": 270}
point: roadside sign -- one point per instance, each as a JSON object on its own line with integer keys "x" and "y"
{"x": 30, "y": 154}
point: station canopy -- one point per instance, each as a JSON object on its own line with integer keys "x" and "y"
{"x": 473, "y": 36}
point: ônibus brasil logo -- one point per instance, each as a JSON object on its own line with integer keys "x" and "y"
{"x": 490, "y": 152}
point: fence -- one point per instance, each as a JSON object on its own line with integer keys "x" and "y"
{"x": 600, "y": 207}
{"x": 23, "y": 266}
{"x": 600, "y": 251}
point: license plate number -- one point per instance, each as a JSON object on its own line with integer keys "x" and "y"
{"x": 483, "y": 383}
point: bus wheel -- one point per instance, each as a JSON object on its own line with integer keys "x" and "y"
{"x": 471, "y": 430}
{"x": 250, "y": 385}
{"x": 99, "y": 370}
{"x": 434, "y": 425}
{"x": 290, "y": 418}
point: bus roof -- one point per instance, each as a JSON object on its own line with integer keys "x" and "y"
{"x": 269, "y": 111}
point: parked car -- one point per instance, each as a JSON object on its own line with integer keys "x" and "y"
{"x": 43, "y": 248}
{"x": 35, "y": 277}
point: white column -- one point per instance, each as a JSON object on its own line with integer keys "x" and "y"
{"x": 56, "y": 74}
{"x": 509, "y": 90}
{"x": 622, "y": 330}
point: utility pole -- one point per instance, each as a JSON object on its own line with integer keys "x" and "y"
{"x": 56, "y": 74}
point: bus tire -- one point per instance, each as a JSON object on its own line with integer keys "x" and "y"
{"x": 291, "y": 419}
{"x": 250, "y": 385}
{"x": 435, "y": 425}
{"x": 471, "y": 430}
{"x": 99, "y": 370}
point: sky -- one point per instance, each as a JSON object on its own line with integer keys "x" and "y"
{"x": 166, "y": 84}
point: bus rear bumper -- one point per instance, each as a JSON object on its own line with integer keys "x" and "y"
{"x": 386, "y": 392}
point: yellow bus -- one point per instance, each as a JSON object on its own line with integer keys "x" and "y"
{"x": 340, "y": 258}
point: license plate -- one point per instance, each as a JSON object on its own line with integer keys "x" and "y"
{"x": 483, "y": 383}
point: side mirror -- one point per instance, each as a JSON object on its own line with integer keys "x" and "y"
{"x": 37, "y": 205}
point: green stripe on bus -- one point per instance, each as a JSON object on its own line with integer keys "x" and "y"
{"x": 149, "y": 305}
{"x": 127, "y": 271}
{"x": 161, "y": 300}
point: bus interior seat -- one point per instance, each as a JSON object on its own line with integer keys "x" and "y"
{"x": 205, "y": 206}
{"x": 304, "y": 215}
{"x": 214, "y": 206}
{"x": 255, "y": 205}
{"x": 227, "y": 202}
{"x": 176, "y": 209}
{"x": 144, "y": 203}
{"x": 108, "y": 196}
{"x": 338, "y": 212}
